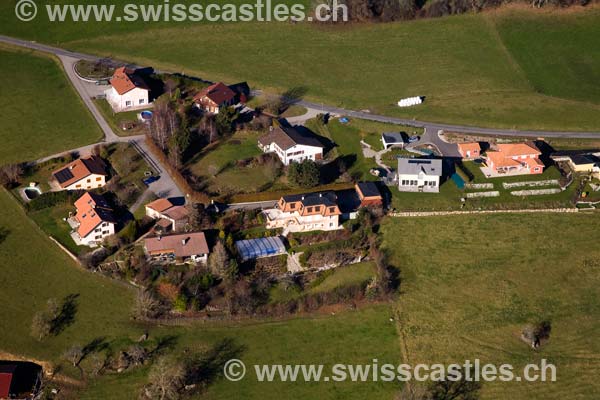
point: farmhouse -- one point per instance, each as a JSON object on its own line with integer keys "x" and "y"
{"x": 94, "y": 220}
{"x": 291, "y": 145}
{"x": 213, "y": 97}
{"x": 170, "y": 217}
{"x": 368, "y": 194}
{"x": 19, "y": 379}
{"x": 419, "y": 175}
{"x": 128, "y": 91}
{"x": 186, "y": 246}
{"x": 305, "y": 212}
{"x": 84, "y": 173}
{"x": 469, "y": 150}
{"x": 390, "y": 139}
{"x": 513, "y": 159}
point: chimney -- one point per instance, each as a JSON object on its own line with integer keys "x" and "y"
{"x": 184, "y": 241}
{"x": 271, "y": 129}
{"x": 320, "y": 194}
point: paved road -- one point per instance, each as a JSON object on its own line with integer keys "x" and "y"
{"x": 434, "y": 126}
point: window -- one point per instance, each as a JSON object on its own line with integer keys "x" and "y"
{"x": 292, "y": 205}
{"x": 77, "y": 186}
{"x": 98, "y": 178}
{"x": 89, "y": 180}
{"x": 318, "y": 208}
{"x": 331, "y": 209}
{"x": 105, "y": 224}
{"x": 309, "y": 209}
{"x": 98, "y": 237}
{"x": 128, "y": 103}
{"x": 142, "y": 101}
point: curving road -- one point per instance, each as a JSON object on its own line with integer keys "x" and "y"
{"x": 429, "y": 126}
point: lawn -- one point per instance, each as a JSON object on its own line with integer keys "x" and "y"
{"x": 504, "y": 68}
{"x": 115, "y": 120}
{"x": 34, "y": 100}
{"x": 471, "y": 283}
{"x": 34, "y": 269}
{"x": 347, "y": 275}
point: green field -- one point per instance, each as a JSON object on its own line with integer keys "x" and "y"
{"x": 470, "y": 284}
{"x": 509, "y": 68}
{"x": 41, "y": 113}
{"x": 34, "y": 269}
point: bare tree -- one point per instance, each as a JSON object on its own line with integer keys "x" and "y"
{"x": 74, "y": 355}
{"x": 218, "y": 262}
{"x": 413, "y": 392}
{"x": 166, "y": 379}
{"x": 137, "y": 354}
{"x": 146, "y": 306}
{"x": 40, "y": 326}
{"x": 11, "y": 173}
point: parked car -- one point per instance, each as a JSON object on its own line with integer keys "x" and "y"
{"x": 147, "y": 181}
{"x": 103, "y": 82}
{"x": 413, "y": 139}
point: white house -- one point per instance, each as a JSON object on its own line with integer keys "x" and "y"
{"x": 84, "y": 173}
{"x": 419, "y": 175}
{"x": 94, "y": 220}
{"x": 169, "y": 216}
{"x": 128, "y": 91}
{"x": 305, "y": 212}
{"x": 291, "y": 145}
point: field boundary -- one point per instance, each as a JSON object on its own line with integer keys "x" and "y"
{"x": 409, "y": 214}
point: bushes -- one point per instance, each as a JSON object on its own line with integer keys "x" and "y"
{"x": 51, "y": 199}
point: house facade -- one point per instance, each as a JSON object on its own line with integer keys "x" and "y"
{"x": 213, "y": 97}
{"x": 291, "y": 145}
{"x": 184, "y": 247}
{"x": 305, "y": 212}
{"x": 94, "y": 220}
{"x": 419, "y": 175}
{"x": 81, "y": 174}
{"x": 128, "y": 91}
{"x": 170, "y": 217}
{"x": 514, "y": 159}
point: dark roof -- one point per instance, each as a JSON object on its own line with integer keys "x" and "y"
{"x": 313, "y": 199}
{"x": 63, "y": 175}
{"x": 413, "y": 166}
{"x": 393, "y": 137}
{"x": 219, "y": 93}
{"x": 368, "y": 189}
{"x": 287, "y": 137}
{"x": 241, "y": 88}
{"x": 581, "y": 159}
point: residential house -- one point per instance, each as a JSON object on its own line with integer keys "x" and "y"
{"x": 128, "y": 91}
{"x": 212, "y": 98}
{"x": 390, "y": 139}
{"x": 181, "y": 247}
{"x": 469, "y": 150}
{"x": 514, "y": 159}
{"x": 368, "y": 194}
{"x": 305, "y": 212}
{"x": 171, "y": 217}
{"x": 94, "y": 220}
{"x": 291, "y": 145}
{"x": 20, "y": 379}
{"x": 419, "y": 175}
{"x": 84, "y": 173}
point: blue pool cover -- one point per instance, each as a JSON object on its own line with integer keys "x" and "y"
{"x": 263, "y": 247}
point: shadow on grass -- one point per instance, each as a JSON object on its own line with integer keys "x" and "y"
{"x": 66, "y": 316}
{"x": 4, "y": 232}
{"x": 205, "y": 368}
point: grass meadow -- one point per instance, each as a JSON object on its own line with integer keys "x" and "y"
{"x": 34, "y": 269}
{"x": 41, "y": 113}
{"x": 513, "y": 67}
{"x": 471, "y": 284}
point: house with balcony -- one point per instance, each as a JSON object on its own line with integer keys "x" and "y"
{"x": 513, "y": 159}
{"x": 305, "y": 212}
{"x": 94, "y": 220}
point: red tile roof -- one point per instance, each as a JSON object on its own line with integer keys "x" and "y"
{"x": 219, "y": 93}
{"x": 160, "y": 205}
{"x": 124, "y": 80}
{"x": 78, "y": 170}
{"x": 92, "y": 210}
{"x": 183, "y": 245}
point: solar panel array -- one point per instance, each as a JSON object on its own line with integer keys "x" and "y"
{"x": 63, "y": 175}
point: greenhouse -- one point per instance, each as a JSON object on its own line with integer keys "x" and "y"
{"x": 263, "y": 247}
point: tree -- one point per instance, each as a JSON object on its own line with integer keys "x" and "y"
{"x": 166, "y": 379}
{"x": 305, "y": 174}
{"x": 218, "y": 261}
{"x": 199, "y": 217}
{"x": 146, "y": 306}
{"x": 40, "y": 326}
{"x": 225, "y": 119}
{"x": 74, "y": 355}
{"x": 412, "y": 392}
{"x": 10, "y": 174}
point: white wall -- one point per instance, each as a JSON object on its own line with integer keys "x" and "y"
{"x": 96, "y": 236}
{"x": 91, "y": 182}
{"x": 136, "y": 97}
{"x": 421, "y": 181}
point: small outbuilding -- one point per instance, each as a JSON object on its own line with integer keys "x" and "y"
{"x": 390, "y": 139}
{"x": 368, "y": 194}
